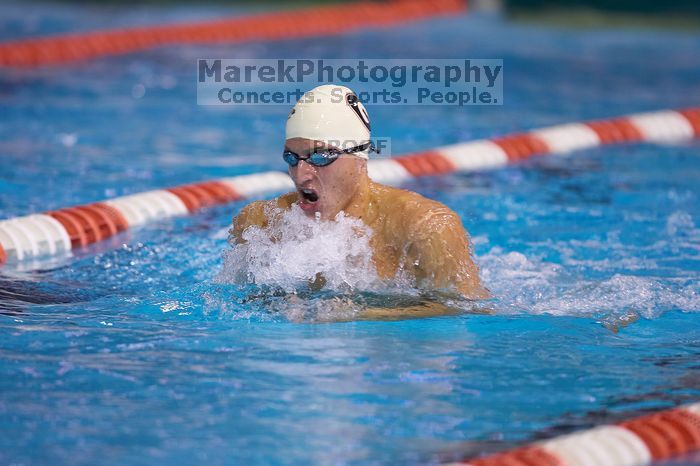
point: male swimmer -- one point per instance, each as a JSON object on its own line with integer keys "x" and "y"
{"x": 327, "y": 147}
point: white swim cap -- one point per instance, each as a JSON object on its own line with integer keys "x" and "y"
{"x": 331, "y": 114}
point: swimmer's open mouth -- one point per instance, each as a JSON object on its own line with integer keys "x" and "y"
{"x": 308, "y": 195}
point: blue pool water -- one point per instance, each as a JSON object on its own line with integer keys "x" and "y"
{"x": 132, "y": 353}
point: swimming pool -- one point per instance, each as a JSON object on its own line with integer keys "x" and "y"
{"x": 130, "y": 353}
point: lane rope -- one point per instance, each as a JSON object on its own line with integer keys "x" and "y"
{"x": 639, "y": 441}
{"x": 60, "y": 231}
{"x": 326, "y": 21}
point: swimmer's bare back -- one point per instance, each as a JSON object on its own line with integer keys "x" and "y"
{"x": 410, "y": 232}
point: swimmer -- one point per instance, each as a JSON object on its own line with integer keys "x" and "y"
{"x": 327, "y": 148}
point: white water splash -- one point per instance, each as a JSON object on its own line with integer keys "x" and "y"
{"x": 523, "y": 285}
{"x": 680, "y": 223}
{"x": 295, "y": 249}
{"x": 638, "y": 284}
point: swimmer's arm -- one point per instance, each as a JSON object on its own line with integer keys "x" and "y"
{"x": 257, "y": 214}
{"x": 428, "y": 309}
{"x": 425, "y": 308}
{"x": 252, "y": 214}
{"x": 441, "y": 258}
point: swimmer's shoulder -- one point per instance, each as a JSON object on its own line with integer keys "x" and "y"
{"x": 259, "y": 213}
{"x": 408, "y": 206}
{"x": 285, "y": 201}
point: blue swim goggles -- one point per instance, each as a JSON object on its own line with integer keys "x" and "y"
{"x": 323, "y": 157}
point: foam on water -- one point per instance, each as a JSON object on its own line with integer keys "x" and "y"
{"x": 620, "y": 287}
{"x": 296, "y": 250}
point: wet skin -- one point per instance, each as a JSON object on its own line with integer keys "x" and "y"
{"x": 410, "y": 232}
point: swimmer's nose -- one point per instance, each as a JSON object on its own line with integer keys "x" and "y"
{"x": 305, "y": 170}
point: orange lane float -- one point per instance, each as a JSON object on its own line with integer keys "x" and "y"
{"x": 637, "y": 442}
{"x": 326, "y": 20}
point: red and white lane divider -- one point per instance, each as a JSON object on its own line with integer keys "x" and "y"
{"x": 283, "y": 25}
{"x": 59, "y": 231}
{"x": 636, "y": 442}
{"x": 657, "y": 127}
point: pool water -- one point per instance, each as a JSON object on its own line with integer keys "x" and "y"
{"x": 134, "y": 352}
